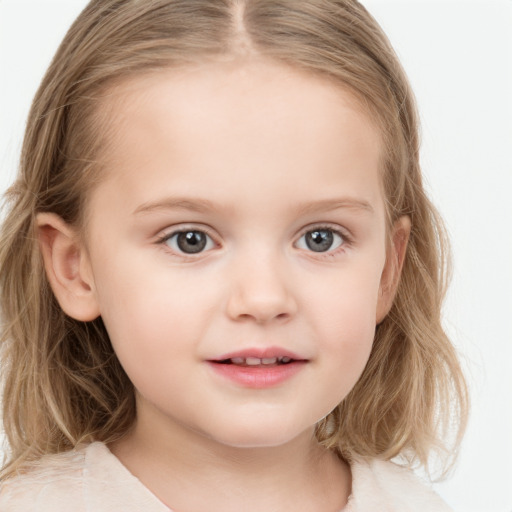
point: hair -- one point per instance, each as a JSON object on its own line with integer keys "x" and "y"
{"x": 62, "y": 383}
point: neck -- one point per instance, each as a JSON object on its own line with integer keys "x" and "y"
{"x": 189, "y": 472}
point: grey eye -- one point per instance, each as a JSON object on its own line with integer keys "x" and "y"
{"x": 189, "y": 242}
{"x": 320, "y": 240}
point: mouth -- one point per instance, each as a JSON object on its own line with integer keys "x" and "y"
{"x": 268, "y": 357}
{"x": 258, "y": 368}
{"x": 257, "y": 361}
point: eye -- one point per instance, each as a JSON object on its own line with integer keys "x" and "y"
{"x": 189, "y": 241}
{"x": 321, "y": 240}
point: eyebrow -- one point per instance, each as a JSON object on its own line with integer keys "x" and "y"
{"x": 201, "y": 205}
{"x": 334, "y": 204}
{"x": 178, "y": 203}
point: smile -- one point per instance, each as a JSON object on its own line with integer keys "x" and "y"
{"x": 256, "y": 361}
{"x": 258, "y": 369}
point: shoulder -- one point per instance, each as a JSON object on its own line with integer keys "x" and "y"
{"x": 53, "y": 483}
{"x": 87, "y": 479}
{"x": 388, "y": 487}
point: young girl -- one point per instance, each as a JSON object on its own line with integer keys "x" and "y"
{"x": 221, "y": 277}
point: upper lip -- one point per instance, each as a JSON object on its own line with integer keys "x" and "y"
{"x": 261, "y": 353}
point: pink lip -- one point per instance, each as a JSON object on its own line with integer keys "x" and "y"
{"x": 258, "y": 377}
{"x": 261, "y": 353}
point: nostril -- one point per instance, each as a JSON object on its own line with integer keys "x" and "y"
{"x": 260, "y": 304}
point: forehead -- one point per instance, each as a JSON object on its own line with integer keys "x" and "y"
{"x": 258, "y": 123}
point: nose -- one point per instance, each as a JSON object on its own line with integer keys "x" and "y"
{"x": 261, "y": 291}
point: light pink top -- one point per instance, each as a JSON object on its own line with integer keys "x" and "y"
{"x": 92, "y": 479}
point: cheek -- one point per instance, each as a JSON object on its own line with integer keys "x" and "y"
{"x": 145, "y": 315}
{"x": 347, "y": 303}
{"x": 153, "y": 343}
{"x": 135, "y": 294}
{"x": 156, "y": 316}
{"x": 346, "y": 321}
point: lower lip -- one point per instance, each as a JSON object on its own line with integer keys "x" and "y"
{"x": 258, "y": 377}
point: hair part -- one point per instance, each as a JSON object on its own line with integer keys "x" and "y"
{"x": 63, "y": 383}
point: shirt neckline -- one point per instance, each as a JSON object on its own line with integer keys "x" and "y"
{"x": 103, "y": 468}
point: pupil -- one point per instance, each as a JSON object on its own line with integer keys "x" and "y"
{"x": 191, "y": 241}
{"x": 319, "y": 240}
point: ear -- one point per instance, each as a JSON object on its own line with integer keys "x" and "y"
{"x": 395, "y": 256}
{"x": 67, "y": 267}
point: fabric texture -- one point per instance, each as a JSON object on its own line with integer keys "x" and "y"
{"x": 92, "y": 479}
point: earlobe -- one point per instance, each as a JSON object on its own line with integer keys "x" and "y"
{"x": 393, "y": 267}
{"x": 67, "y": 267}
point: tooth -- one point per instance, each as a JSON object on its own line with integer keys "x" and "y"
{"x": 285, "y": 359}
{"x": 252, "y": 361}
{"x": 238, "y": 360}
{"x": 269, "y": 360}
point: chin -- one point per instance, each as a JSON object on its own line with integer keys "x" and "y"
{"x": 259, "y": 435}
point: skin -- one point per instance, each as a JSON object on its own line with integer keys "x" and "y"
{"x": 257, "y": 140}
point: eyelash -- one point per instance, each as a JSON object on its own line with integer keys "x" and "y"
{"x": 347, "y": 240}
{"x": 162, "y": 240}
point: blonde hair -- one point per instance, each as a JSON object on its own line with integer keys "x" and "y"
{"x": 62, "y": 381}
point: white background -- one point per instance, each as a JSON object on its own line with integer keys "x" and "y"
{"x": 458, "y": 55}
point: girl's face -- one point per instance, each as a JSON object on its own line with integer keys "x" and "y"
{"x": 236, "y": 248}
